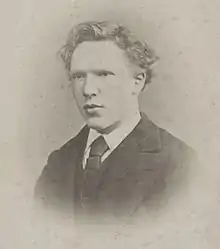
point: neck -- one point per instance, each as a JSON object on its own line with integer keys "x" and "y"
{"x": 132, "y": 117}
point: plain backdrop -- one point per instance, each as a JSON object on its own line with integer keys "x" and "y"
{"x": 38, "y": 113}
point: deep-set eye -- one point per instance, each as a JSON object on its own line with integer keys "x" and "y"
{"x": 78, "y": 76}
{"x": 104, "y": 73}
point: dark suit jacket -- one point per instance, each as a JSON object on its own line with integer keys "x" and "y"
{"x": 138, "y": 172}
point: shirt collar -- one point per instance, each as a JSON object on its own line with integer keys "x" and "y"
{"x": 114, "y": 138}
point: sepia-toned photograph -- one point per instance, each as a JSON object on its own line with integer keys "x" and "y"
{"x": 120, "y": 159}
{"x": 110, "y": 130}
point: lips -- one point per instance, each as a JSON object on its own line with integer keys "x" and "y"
{"x": 92, "y": 106}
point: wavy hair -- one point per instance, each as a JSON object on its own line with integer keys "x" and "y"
{"x": 137, "y": 51}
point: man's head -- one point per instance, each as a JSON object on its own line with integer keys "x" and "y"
{"x": 108, "y": 68}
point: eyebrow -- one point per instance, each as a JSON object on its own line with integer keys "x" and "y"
{"x": 95, "y": 71}
{"x": 77, "y": 71}
{"x": 103, "y": 71}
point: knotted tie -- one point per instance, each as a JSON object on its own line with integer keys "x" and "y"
{"x": 92, "y": 170}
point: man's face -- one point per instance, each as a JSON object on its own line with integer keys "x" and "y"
{"x": 103, "y": 84}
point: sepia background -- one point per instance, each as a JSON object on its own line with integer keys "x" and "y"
{"x": 38, "y": 115}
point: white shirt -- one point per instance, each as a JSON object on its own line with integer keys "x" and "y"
{"x": 113, "y": 139}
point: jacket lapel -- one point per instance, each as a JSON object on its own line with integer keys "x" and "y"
{"x": 127, "y": 169}
{"x": 143, "y": 140}
{"x": 132, "y": 164}
{"x": 74, "y": 162}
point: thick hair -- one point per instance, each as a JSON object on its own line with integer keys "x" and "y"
{"x": 138, "y": 52}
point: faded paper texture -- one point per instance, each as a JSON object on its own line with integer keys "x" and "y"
{"x": 39, "y": 115}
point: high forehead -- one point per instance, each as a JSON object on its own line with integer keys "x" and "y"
{"x": 98, "y": 54}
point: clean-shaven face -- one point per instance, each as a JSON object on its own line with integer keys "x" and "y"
{"x": 103, "y": 84}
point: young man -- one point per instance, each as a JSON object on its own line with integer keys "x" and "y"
{"x": 120, "y": 160}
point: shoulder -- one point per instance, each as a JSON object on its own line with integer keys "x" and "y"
{"x": 70, "y": 146}
{"x": 172, "y": 144}
{"x": 174, "y": 155}
{"x": 181, "y": 161}
{"x": 176, "y": 163}
{"x": 153, "y": 138}
{"x": 67, "y": 149}
{"x": 58, "y": 163}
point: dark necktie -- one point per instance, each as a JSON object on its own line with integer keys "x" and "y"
{"x": 92, "y": 170}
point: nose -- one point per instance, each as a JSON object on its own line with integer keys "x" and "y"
{"x": 90, "y": 86}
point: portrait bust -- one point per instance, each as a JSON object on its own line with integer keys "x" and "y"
{"x": 120, "y": 160}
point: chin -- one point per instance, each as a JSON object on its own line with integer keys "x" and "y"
{"x": 96, "y": 123}
{"x": 101, "y": 125}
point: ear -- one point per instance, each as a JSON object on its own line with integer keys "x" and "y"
{"x": 140, "y": 79}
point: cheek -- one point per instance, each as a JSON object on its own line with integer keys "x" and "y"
{"x": 112, "y": 94}
{"x": 113, "y": 87}
{"x": 119, "y": 94}
{"x": 77, "y": 93}
{"x": 115, "y": 101}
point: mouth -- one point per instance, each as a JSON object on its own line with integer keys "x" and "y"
{"x": 92, "y": 107}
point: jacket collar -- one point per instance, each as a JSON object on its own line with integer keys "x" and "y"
{"x": 146, "y": 135}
